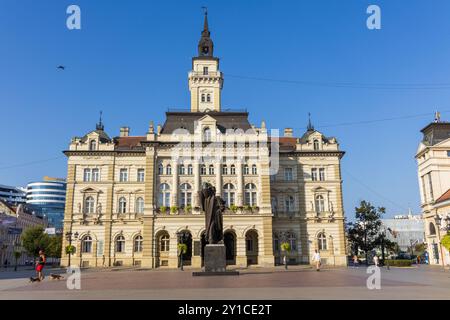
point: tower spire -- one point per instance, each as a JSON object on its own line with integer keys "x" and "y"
{"x": 205, "y": 45}
{"x": 100, "y": 125}
{"x": 310, "y": 126}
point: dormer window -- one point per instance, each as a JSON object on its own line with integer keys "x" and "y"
{"x": 316, "y": 145}
{"x": 93, "y": 145}
{"x": 205, "y": 71}
{"x": 207, "y": 135}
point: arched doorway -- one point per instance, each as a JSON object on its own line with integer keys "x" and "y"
{"x": 162, "y": 249}
{"x": 251, "y": 247}
{"x": 185, "y": 237}
{"x": 229, "y": 239}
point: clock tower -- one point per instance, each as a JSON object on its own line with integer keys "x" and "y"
{"x": 205, "y": 79}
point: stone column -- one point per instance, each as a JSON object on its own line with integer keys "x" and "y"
{"x": 173, "y": 251}
{"x": 241, "y": 252}
{"x": 149, "y": 205}
{"x": 218, "y": 168}
{"x": 240, "y": 184}
{"x": 174, "y": 188}
{"x": 196, "y": 168}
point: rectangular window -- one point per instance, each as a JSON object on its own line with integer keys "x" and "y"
{"x": 314, "y": 174}
{"x": 205, "y": 71}
{"x": 430, "y": 184}
{"x": 140, "y": 175}
{"x": 322, "y": 174}
{"x": 288, "y": 174}
{"x": 87, "y": 175}
{"x": 123, "y": 175}
{"x": 95, "y": 175}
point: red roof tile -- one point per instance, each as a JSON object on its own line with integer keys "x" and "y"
{"x": 444, "y": 197}
{"x": 129, "y": 142}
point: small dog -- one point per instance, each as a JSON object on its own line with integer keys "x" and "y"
{"x": 56, "y": 277}
{"x": 34, "y": 279}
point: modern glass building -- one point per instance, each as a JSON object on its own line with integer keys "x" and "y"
{"x": 47, "y": 199}
{"x": 12, "y": 195}
{"x": 406, "y": 230}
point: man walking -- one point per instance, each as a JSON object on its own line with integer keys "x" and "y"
{"x": 316, "y": 259}
{"x": 376, "y": 260}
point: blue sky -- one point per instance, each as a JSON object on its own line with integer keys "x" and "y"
{"x": 131, "y": 60}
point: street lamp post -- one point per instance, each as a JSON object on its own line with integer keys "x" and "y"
{"x": 438, "y": 222}
{"x": 69, "y": 238}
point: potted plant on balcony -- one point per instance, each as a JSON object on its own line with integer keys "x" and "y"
{"x": 247, "y": 208}
{"x": 174, "y": 209}
{"x": 255, "y": 208}
{"x": 234, "y": 208}
{"x": 188, "y": 208}
{"x": 285, "y": 248}
{"x": 163, "y": 209}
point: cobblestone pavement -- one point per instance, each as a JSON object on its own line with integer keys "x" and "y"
{"x": 273, "y": 283}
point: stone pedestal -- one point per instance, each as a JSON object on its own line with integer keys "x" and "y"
{"x": 215, "y": 262}
{"x": 215, "y": 258}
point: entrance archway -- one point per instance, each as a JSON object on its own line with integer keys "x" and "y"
{"x": 229, "y": 239}
{"x": 251, "y": 247}
{"x": 185, "y": 237}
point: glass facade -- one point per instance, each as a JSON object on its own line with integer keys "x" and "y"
{"x": 48, "y": 199}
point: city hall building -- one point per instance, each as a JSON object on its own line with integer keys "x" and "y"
{"x": 131, "y": 199}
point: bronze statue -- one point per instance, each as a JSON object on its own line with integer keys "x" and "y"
{"x": 213, "y": 206}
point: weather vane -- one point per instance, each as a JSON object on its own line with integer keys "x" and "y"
{"x": 205, "y": 9}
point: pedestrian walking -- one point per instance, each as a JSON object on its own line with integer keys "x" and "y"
{"x": 40, "y": 263}
{"x": 355, "y": 261}
{"x": 316, "y": 259}
{"x": 376, "y": 260}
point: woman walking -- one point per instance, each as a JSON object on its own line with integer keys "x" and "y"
{"x": 40, "y": 265}
{"x": 316, "y": 259}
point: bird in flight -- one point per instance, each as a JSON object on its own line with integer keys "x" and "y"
{"x": 61, "y": 67}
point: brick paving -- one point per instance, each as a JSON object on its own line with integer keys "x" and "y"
{"x": 274, "y": 283}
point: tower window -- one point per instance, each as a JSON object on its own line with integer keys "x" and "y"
{"x": 208, "y": 98}
{"x": 203, "y": 97}
{"x": 205, "y": 71}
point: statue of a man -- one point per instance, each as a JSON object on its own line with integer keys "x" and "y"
{"x": 213, "y": 206}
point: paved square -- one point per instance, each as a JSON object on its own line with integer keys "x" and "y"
{"x": 274, "y": 283}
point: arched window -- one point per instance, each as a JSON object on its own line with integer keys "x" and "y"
{"x": 224, "y": 169}
{"x": 87, "y": 175}
{"x": 432, "y": 229}
{"x": 211, "y": 169}
{"x": 169, "y": 169}
{"x": 164, "y": 243}
{"x": 207, "y": 135}
{"x": 139, "y": 205}
{"x": 122, "y": 205}
{"x": 120, "y": 244}
{"x": 86, "y": 244}
{"x": 316, "y": 144}
{"x": 208, "y": 98}
{"x": 203, "y": 169}
{"x": 89, "y": 203}
{"x": 289, "y": 203}
{"x": 93, "y": 145}
{"x": 164, "y": 195}
{"x": 95, "y": 175}
{"x": 229, "y": 194}
{"x": 185, "y": 195}
{"x": 160, "y": 169}
{"x": 233, "y": 169}
{"x": 250, "y": 195}
{"x": 320, "y": 204}
{"x": 254, "y": 169}
{"x": 322, "y": 241}
{"x": 246, "y": 169}
{"x": 190, "y": 171}
{"x": 138, "y": 243}
{"x": 182, "y": 170}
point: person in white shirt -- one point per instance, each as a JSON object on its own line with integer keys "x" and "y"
{"x": 316, "y": 259}
{"x": 376, "y": 260}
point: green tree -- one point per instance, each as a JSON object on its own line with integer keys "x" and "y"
{"x": 364, "y": 232}
{"x": 54, "y": 247}
{"x": 34, "y": 239}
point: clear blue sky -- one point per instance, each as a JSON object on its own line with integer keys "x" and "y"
{"x": 131, "y": 60}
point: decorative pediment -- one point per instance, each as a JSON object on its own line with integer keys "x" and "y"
{"x": 90, "y": 190}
